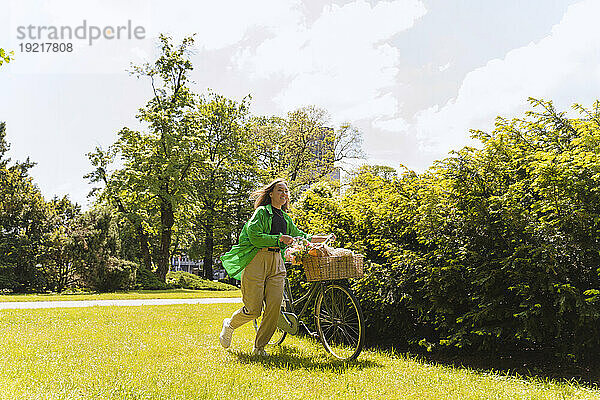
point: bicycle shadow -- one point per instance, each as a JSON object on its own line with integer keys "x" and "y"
{"x": 290, "y": 358}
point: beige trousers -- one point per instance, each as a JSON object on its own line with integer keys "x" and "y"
{"x": 263, "y": 280}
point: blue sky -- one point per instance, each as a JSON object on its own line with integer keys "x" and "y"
{"x": 414, "y": 76}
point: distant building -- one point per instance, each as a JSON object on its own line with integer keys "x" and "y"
{"x": 184, "y": 263}
{"x": 323, "y": 152}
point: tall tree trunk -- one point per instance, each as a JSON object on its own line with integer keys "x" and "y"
{"x": 207, "y": 266}
{"x": 166, "y": 223}
{"x": 144, "y": 249}
{"x": 62, "y": 275}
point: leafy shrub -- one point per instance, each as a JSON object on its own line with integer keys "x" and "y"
{"x": 185, "y": 280}
{"x": 493, "y": 249}
{"x": 147, "y": 280}
{"x": 115, "y": 274}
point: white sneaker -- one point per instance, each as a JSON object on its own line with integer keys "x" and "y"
{"x": 259, "y": 352}
{"x": 226, "y": 333}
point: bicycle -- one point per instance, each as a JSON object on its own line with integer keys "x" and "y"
{"x": 339, "y": 320}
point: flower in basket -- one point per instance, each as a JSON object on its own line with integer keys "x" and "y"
{"x": 297, "y": 251}
{"x": 302, "y": 248}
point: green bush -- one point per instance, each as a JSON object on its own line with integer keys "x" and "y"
{"x": 147, "y": 280}
{"x": 185, "y": 280}
{"x": 116, "y": 274}
{"x": 493, "y": 249}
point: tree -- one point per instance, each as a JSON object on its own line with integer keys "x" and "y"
{"x": 302, "y": 147}
{"x": 5, "y": 57}
{"x": 130, "y": 204}
{"x": 157, "y": 163}
{"x": 58, "y": 261}
{"x": 4, "y": 146}
{"x": 220, "y": 183}
{"x": 23, "y": 213}
{"x": 96, "y": 250}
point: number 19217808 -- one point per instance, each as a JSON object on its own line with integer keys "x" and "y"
{"x": 46, "y": 47}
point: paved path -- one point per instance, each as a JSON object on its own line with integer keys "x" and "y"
{"x": 91, "y": 303}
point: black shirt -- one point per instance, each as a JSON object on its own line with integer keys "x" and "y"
{"x": 278, "y": 225}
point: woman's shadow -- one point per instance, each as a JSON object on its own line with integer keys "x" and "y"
{"x": 290, "y": 358}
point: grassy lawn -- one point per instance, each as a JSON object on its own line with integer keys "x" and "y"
{"x": 138, "y": 294}
{"x": 172, "y": 352}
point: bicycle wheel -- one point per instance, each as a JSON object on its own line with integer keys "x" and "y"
{"x": 340, "y": 322}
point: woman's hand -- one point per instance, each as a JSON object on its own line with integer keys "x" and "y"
{"x": 286, "y": 239}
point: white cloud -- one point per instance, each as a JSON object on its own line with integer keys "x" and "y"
{"x": 391, "y": 125}
{"x": 223, "y": 23}
{"x": 444, "y": 67}
{"x": 342, "y": 61}
{"x": 217, "y": 25}
{"x": 562, "y": 67}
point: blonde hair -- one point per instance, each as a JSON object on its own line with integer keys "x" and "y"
{"x": 261, "y": 196}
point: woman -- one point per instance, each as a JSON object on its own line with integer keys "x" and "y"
{"x": 258, "y": 261}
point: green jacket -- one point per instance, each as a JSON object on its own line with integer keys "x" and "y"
{"x": 255, "y": 235}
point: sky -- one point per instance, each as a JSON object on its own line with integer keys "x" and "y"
{"x": 414, "y": 76}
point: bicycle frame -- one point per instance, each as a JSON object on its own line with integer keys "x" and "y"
{"x": 290, "y": 321}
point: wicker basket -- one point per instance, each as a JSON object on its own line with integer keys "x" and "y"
{"x": 333, "y": 267}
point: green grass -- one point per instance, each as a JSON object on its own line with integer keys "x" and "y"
{"x": 172, "y": 352}
{"x": 137, "y": 294}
